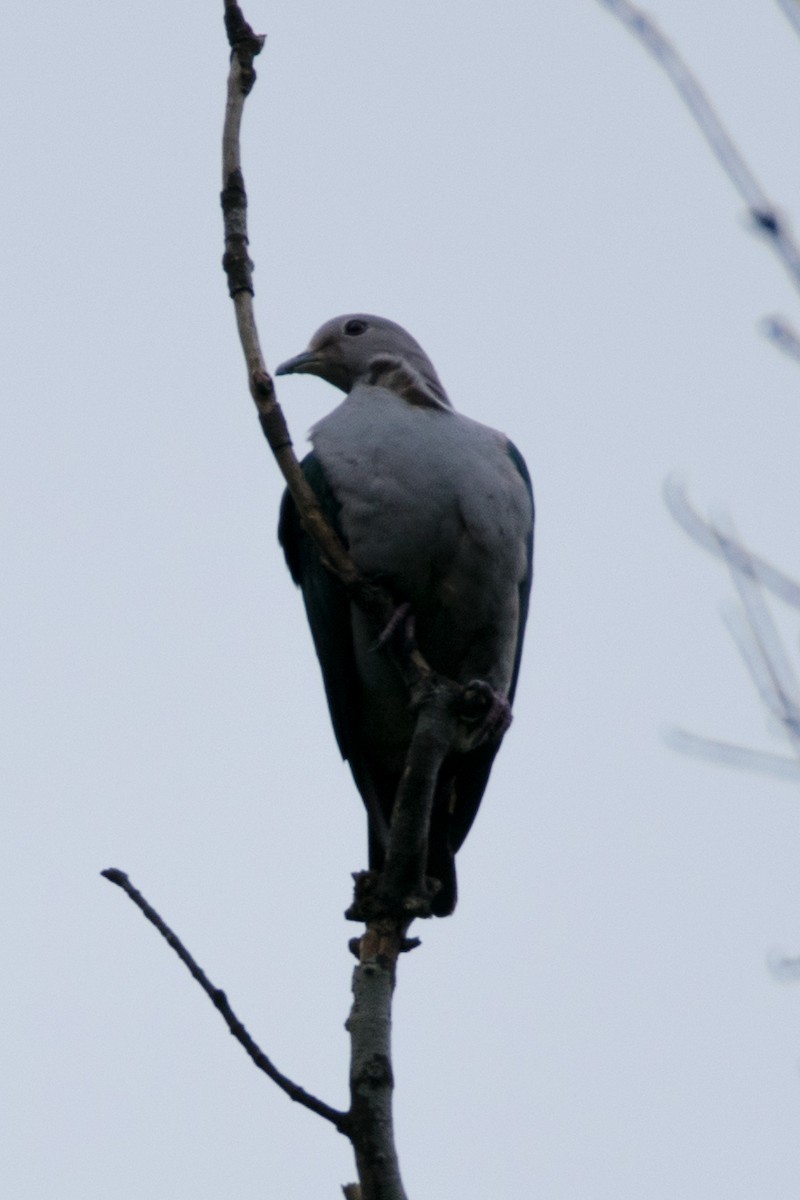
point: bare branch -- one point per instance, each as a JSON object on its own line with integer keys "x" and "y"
{"x": 760, "y": 662}
{"x": 759, "y": 642}
{"x": 784, "y": 967}
{"x": 220, "y": 1002}
{"x": 763, "y": 212}
{"x": 730, "y": 755}
{"x": 704, "y": 533}
{"x": 756, "y": 637}
{"x": 781, "y": 333}
{"x": 245, "y": 45}
{"x": 791, "y": 10}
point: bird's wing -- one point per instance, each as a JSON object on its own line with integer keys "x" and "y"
{"x": 471, "y": 771}
{"x": 327, "y": 604}
{"x": 525, "y": 585}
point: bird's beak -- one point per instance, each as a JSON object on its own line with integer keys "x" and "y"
{"x": 306, "y": 363}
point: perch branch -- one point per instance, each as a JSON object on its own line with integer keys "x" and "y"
{"x": 220, "y": 1001}
{"x": 245, "y": 46}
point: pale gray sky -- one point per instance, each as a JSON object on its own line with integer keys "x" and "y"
{"x": 521, "y": 188}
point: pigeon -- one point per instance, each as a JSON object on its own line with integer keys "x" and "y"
{"x": 438, "y": 509}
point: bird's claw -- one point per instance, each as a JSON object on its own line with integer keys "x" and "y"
{"x": 487, "y": 710}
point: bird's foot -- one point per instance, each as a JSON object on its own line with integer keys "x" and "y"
{"x": 399, "y": 631}
{"x": 372, "y": 901}
{"x": 486, "y": 710}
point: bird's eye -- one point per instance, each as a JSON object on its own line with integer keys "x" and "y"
{"x": 354, "y": 328}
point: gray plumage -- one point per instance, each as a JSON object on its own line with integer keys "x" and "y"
{"x": 438, "y": 508}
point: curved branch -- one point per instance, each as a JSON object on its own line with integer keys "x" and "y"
{"x": 220, "y": 1001}
{"x": 762, "y": 211}
{"x": 245, "y": 45}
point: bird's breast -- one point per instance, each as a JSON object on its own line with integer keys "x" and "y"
{"x": 432, "y": 504}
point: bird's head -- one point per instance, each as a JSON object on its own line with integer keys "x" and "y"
{"x": 359, "y": 348}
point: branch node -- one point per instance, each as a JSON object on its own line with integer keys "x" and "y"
{"x": 767, "y": 221}
{"x": 243, "y": 43}
{"x": 239, "y": 267}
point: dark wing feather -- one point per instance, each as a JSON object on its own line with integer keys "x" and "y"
{"x": 327, "y": 605}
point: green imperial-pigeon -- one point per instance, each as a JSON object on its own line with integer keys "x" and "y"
{"x": 438, "y": 509}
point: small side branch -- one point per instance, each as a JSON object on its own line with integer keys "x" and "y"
{"x": 220, "y": 1001}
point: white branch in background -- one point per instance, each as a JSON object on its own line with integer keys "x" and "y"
{"x": 782, "y": 335}
{"x": 756, "y": 637}
{"x": 760, "y": 644}
{"x": 791, "y": 10}
{"x": 705, "y": 534}
{"x": 730, "y": 755}
{"x": 784, "y": 967}
{"x": 764, "y": 214}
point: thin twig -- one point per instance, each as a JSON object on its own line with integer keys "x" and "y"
{"x": 762, "y": 211}
{"x": 779, "y": 331}
{"x": 731, "y": 755}
{"x": 760, "y": 644}
{"x": 220, "y": 1001}
{"x": 245, "y": 45}
{"x": 784, "y": 967}
{"x": 791, "y": 10}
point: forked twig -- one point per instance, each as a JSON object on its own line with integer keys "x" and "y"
{"x": 757, "y": 639}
